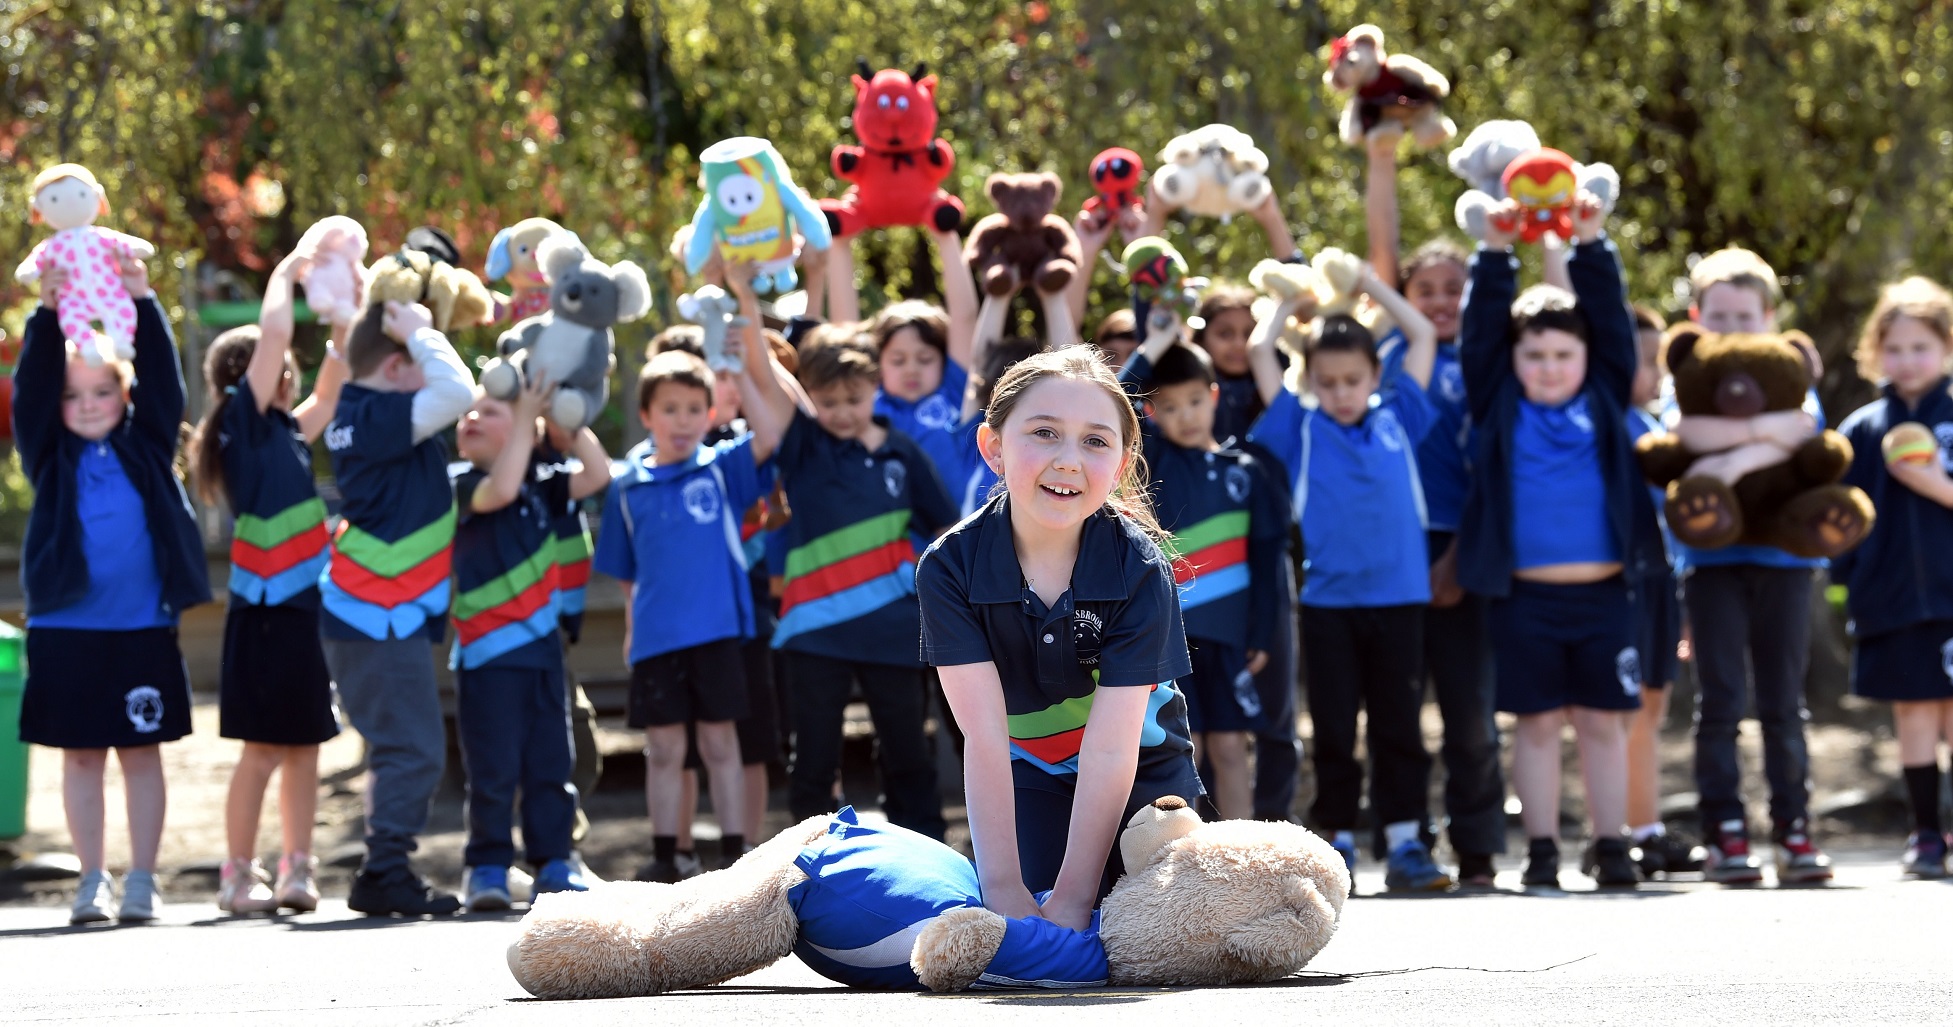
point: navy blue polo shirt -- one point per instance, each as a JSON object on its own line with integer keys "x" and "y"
{"x": 932, "y": 421}
{"x": 1900, "y": 575}
{"x": 1442, "y": 466}
{"x": 1118, "y": 626}
{"x": 850, "y": 571}
{"x": 388, "y": 576}
{"x": 572, "y": 546}
{"x": 1239, "y": 407}
{"x": 278, "y": 542}
{"x": 672, "y": 531}
{"x": 505, "y": 576}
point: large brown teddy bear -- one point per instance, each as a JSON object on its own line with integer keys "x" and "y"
{"x": 1224, "y": 903}
{"x": 1758, "y": 493}
{"x": 1024, "y": 241}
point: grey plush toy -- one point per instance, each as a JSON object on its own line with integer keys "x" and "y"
{"x": 570, "y": 344}
{"x": 716, "y": 313}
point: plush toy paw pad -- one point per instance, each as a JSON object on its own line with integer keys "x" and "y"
{"x": 1837, "y": 528}
{"x": 1700, "y": 515}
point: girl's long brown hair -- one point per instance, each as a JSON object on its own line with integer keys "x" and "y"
{"x": 1129, "y": 497}
{"x": 224, "y": 365}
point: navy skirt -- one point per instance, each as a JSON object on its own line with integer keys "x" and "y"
{"x": 1912, "y": 664}
{"x": 274, "y": 687}
{"x": 104, "y": 689}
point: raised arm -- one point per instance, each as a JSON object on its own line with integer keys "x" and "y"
{"x": 1595, "y": 273}
{"x": 1264, "y": 362}
{"x": 593, "y": 473}
{"x": 316, "y": 412}
{"x": 1420, "y": 336}
{"x": 959, "y": 297}
{"x": 1060, "y": 329}
{"x": 40, "y": 376}
{"x": 267, "y": 367}
{"x": 843, "y": 302}
{"x": 1380, "y": 202}
{"x": 157, "y": 398}
{"x": 511, "y": 468}
{"x": 450, "y": 388}
{"x": 989, "y": 330}
{"x": 767, "y": 406}
{"x": 1485, "y": 319}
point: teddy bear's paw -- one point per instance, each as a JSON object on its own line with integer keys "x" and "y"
{"x": 1704, "y": 518}
{"x": 952, "y": 952}
{"x": 1176, "y": 185}
{"x": 569, "y": 409}
{"x": 1837, "y": 528}
{"x": 500, "y": 380}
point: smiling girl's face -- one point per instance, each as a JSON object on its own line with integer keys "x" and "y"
{"x": 92, "y": 400}
{"x": 1060, "y": 452}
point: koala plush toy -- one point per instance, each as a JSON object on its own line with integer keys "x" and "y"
{"x": 570, "y": 344}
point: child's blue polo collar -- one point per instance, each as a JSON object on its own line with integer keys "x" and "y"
{"x": 644, "y": 472}
{"x": 1097, "y": 576}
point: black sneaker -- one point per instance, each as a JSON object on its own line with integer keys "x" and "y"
{"x": 660, "y": 871}
{"x": 1607, "y": 862}
{"x": 1667, "y": 853}
{"x": 1542, "y": 864}
{"x": 1475, "y": 870}
{"x": 398, "y": 892}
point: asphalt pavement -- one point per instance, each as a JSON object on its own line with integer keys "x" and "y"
{"x": 1869, "y": 948}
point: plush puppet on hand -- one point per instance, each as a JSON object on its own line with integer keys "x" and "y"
{"x": 1024, "y": 241}
{"x": 512, "y": 257}
{"x": 1393, "y": 87}
{"x": 571, "y": 343}
{"x": 69, "y": 199}
{"x": 751, "y": 212}
{"x": 332, "y": 279}
{"x": 1115, "y": 183}
{"x": 1214, "y": 171}
{"x": 897, "y": 172}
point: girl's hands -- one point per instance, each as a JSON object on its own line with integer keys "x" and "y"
{"x": 1012, "y": 901}
{"x": 135, "y": 277}
{"x": 1502, "y": 225}
{"x": 1074, "y": 914}
{"x": 1785, "y": 429}
{"x": 54, "y": 281}
{"x": 1162, "y": 326}
{"x": 1382, "y": 141}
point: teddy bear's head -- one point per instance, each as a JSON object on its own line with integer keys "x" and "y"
{"x": 512, "y": 255}
{"x": 1231, "y": 902}
{"x": 335, "y": 235}
{"x": 454, "y": 295}
{"x": 588, "y": 291}
{"x": 1025, "y": 199}
{"x": 1355, "y": 59}
{"x": 1741, "y": 374}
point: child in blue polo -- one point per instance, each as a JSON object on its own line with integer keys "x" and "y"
{"x": 1353, "y": 474}
{"x": 1052, "y": 618}
{"x": 1229, "y": 532}
{"x": 859, "y": 491}
{"x": 385, "y": 589}
{"x": 1550, "y": 527}
{"x": 511, "y": 702}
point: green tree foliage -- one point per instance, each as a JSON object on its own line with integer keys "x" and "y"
{"x": 1820, "y": 134}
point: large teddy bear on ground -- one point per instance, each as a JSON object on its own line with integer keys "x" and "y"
{"x": 880, "y": 906}
{"x": 570, "y": 344}
{"x": 1763, "y": 492}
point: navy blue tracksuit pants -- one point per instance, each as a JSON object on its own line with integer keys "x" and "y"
{"x": 514, "y": 725}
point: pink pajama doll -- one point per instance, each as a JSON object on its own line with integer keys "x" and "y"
{"x": 337, "y": 246}
{"x": 69, "y": 199}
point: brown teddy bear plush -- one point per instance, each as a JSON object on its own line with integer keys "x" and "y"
{"x": 1024, "y": 241}
{"x": 1762, "y": 492}
{"x": 455, "y": 297}
{"x": 872, "y": 905}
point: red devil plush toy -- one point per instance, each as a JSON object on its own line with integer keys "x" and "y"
{"x": 896, "y": 174}
{"x": 1115, "y": 178}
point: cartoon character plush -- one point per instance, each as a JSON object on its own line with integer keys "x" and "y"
{"x": 879, "y": 906}
{"x": 1909, "y": 442}
{"x": 1386, "y": 87}
{"x": 716, "y": 313}
{"x": 1115, "y": 182}
{"x": 69, "y": 199}
{"x": 1759, "y": 493}
{"x": 452, "y": 293}
{"x": 1213, "y": 171}
{"x": 1545, "y": 182}
{"x": 337, "y": 246}
{"x": 570, "y": 343}
{"x": 1023, "y": 241}
{"x": 512, "y": 258}
{"x": 1157, "y": 275}
{"x": 897, "y": 172}
{"x": 751, "y": 211}
{"x": 1481, "y": 161}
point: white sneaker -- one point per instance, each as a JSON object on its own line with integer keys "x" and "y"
{"x": 138, "y": 896}
{"x": 522, "y": 887}
{"x": 93, "y": 898}
{"x": 245, "y": 888}
{"x": 298, "y": 886}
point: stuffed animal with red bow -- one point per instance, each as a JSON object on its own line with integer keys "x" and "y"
{"x": 1384, "y": 88}
{"x": 1115, "y": 178}
{"x": 896, "y": 174}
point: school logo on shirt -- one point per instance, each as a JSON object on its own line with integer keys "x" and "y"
{"x": 1627, "y": 670}
{"x": 1576, "y": 412}
{"x": 1237, "y": 483}
{"x": 1451, "y": 383}
{"x": 701, "y": 496}
{"x": 935, "y": 413}
{"x": 144, "y": 705}
{"x": 1087, "y": 633}
{"x": 895, "y": 475}
{"x": 1388, "y": 431}
{"x": 1943, "y": 432}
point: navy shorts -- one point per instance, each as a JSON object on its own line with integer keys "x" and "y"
{"x": 104, "y": 689}
{"x": 706, "y": 683}
{"x": 1912, "y": 664}
{"x": 1221, "y": 695}
{"x": 1658, "y": 627}
{"x": 759, "y": 729}
{"x": 1565, "y": 645}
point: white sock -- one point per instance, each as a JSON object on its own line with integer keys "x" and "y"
{"x": 1347, "y": 838}
{"x": 1395, "y": 835}
{"x": 1647, "y": 831}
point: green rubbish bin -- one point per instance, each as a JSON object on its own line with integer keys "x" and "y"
{"x": 13, "y": 751}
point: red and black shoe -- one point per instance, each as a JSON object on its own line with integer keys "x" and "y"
{"x": 1730, "y": 860}
{"x": 1799, "y": 860}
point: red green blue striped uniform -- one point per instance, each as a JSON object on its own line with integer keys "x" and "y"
{"x": 1212, "y": 559}
{"x": 276, "y": 558}
{"x": 379, "y": 587}
{"x": 1049, "y": 738}
{"x": 571, "y": 549}
{"x": 846, "y": 574}
{"x": 510, "y": 611}
{"x": 278, "y": 544}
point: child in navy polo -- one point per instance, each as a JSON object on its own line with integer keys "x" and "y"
{"x": 1900, "y": 582}
{"x": 859, "y": 491}
{"x": 252, "y": 451}
{"x": 111, "y": 559}
{"x": 1549, "y": 528}
{"x": 1352, "y": 472}
{"x": 511, "y": 702}
{"x": 1052, "y": 618}
{"x": 385, "y": 589}
{"x": 1229, "y": 531}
